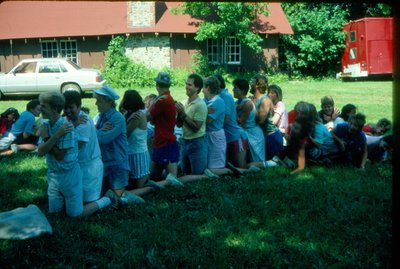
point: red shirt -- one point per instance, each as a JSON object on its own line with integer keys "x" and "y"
{"x": 4, "y": 125}
{"x": 163, "y": 113}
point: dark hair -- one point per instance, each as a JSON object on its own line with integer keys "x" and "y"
{"x": 298, "y": 134}
{"x": 275, "y": 88}
{"x": 197, "y": 81}
{"x": 261, "y": 81}
{"x": 10, "y": 110}
{"x": 221, "y": 80}
{"x": 242, "y": 84}
{"x": 72, "y": 98}
{"x": 213, "y": 84}
{"x": 385, "y": 123}
{"x": 31, "y": 105}
{"x": 346, "y": 109}
{"x": 132, "y": 102}
{"x": 358, "y": 120}
{"x": 162, "y": 85}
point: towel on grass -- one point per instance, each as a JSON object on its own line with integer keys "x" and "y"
{"x": 23, "y": 223}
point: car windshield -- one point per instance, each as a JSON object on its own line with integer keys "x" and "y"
{"x": 74, "y": 64}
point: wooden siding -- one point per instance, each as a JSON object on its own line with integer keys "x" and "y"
{"x": 91, "y": 51}
{"x": 182, "y": 50}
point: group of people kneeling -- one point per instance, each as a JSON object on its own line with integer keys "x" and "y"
{"x": 96, "y": 163}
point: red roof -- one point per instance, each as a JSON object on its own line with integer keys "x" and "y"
{"x": 48, "y": 19}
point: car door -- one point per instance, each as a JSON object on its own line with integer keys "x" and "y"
{"x": 21, "y": 79}
{"x": 49, "y": 76}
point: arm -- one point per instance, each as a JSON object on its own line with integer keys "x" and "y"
{"x": 48, "y": 146}
{"x": 364, "y": 157}
{"x": 340, "y": 143}
{"x": 301, "y": 160}
{"x": 134, "y": 121}
{"x": 246, "y": 108}
{"x": 111, "y": 130}
{"x": 262, "y": 113}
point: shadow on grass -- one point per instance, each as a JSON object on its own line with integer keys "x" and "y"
{"x": 322, "y": 218}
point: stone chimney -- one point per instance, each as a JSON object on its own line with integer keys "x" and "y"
{"x": 141, "y": 14}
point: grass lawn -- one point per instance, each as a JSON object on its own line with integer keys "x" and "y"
{"x": 325, "y": 217}
{"x": 373, "y": 98}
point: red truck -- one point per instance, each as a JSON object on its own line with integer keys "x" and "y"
{"x": 369, "y": 48}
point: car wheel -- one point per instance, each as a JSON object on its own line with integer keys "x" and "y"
{"x": 71, "y": 87}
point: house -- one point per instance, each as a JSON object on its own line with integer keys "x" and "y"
{"x": 81, "y": 31}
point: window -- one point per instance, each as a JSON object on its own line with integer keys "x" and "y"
{"x": 353, "y": 53}
{"x": 64, "y": 48}
{"x": 213, "y": 52}
{"x": 224, "y": 51}
{"x": 352, "y": 36}
{"x": 49, "y": 67}
{"x": 69, "y": 50}
{"x": 232, "y": 50}
{"x": 26, "y": 68}
{"x": 49, "y": 49}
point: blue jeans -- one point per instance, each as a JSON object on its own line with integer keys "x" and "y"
{"x": 194, "y": 155}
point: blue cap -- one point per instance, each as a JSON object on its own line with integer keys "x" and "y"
{"x": 107, "y": 91}
{"x": 164, "y": 78}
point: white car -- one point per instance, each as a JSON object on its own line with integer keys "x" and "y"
{"x": 34, "y": 76}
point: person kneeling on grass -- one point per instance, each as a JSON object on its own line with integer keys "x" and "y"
{"x": 112, "y": 137}
{"x": 64, "y": 175}
{"x": 89, "y": 156}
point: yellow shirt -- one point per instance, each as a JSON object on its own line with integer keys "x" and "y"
{"x": 197, "y": 110}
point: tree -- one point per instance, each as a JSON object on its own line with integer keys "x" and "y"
{"x": 223, "y": 19}
{"x": 316, "y": 46}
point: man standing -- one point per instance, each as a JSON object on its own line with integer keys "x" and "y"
{"x": 162, "y": 114}
{"x": 192, "y": 118}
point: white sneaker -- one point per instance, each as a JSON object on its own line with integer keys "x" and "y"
{"x": 128, "y": 198}
{"x": 253, "y": 169}
{"x": 173, "y": 180}
{"x": 270, "y": 163}
{"x": 210, "y": 174}
{"x": 14, "y": 148}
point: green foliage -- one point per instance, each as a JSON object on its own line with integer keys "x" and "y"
{"x": 121, "y": 72}
{"x": 315, "y": 48}
{"x": 223, "y": 19}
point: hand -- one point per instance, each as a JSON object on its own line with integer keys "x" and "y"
{"x": 81, "y": 120}
{"x": 336, "y": 113}
{"x": 43, "y": 131}
{"x": 107, "y": 126}
{"x": 179, "y": 108}
{"x": 211, "y": 110}
{"x": 135, "y": 116}
{"x": 64, "y": 129}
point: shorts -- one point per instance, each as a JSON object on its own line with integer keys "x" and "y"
{"x": 92, "y": 179}
{"x": 20, "y": 140}
{"x": 235, "y": 147}
{"x": 139, "y": 164}
{"x": 273, "y": 144}
{"x": 216, "y": 155}
{"x": 117, "y": 176}
{"x": 65, "y": 189}
{"x": 194, "y": 155}
{"x": 166, "y": 154}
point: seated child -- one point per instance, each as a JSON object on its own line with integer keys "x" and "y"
{"x": 351, "y": 140}
{"x": 328, "y": 113}
{"x": 7, "y": 119}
